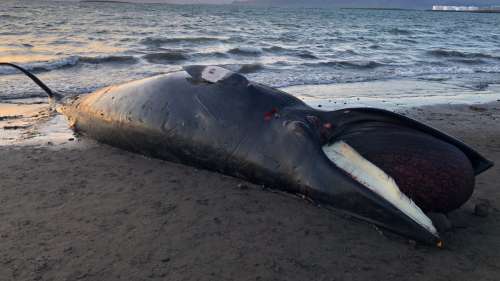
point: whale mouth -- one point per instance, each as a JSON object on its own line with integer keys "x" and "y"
{"x": 376, "y": 180}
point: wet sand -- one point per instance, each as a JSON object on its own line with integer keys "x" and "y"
{"x": 78, "y": 210}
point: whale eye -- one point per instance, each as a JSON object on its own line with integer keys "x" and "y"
{"x": 296, "y": 127}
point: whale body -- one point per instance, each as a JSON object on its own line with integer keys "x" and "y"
{"x": 374, "y": 164}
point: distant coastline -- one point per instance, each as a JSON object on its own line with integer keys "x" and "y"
{"x": 380, "y": 9}
{"x": 475, "y": 6}
{"x": 104, "y": 1}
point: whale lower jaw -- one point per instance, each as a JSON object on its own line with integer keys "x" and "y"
{"x": 375, "y": 179}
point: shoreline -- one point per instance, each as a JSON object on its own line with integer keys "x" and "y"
{"x": 392, "y": 94}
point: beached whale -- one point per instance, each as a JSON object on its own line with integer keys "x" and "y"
{"x": 375, "y": 164}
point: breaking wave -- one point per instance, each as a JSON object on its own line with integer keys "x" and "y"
{"x": 250, "y": 68}
{"x": 244, "y": 68}
{"x": 471, "y": 61}
{"x": 108, "y": 59}
{"x": 347, "y": 64}
{"x": 245, "y": 51}
{"x": 307, "y": 55}
{"x": 291, "y": 52}
{"x": 156, "y": 41}
{"x": 165, "y": 57}
{"x": 275, "y": 49}
{"x": 43, "y": 66}
{"x": 9, "y": 17}
{"x": 399, "y": 31}
{"x": 444, "y": 53}
{"x": 430, "y": 70}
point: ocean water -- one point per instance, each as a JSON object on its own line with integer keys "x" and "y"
{"x": 79, "y": 47}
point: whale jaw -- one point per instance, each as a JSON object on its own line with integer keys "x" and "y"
{"x": 377, "y": 181}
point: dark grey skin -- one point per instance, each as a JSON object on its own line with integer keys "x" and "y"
{"x": 268, "y": 137}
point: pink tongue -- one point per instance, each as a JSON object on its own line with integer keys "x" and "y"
{"x": 437, "y": 176}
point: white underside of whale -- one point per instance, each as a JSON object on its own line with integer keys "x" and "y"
{"x": 372, "y": 177}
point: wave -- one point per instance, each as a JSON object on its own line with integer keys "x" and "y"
{"x": 250, "y": 68}
{"x": 109, "y": 59}
{"x": 156, "y": 41}
{"x": 44, "y": 66}
{"x": 479, "y": 86}
{"x": 165, "y": 57}
{"x": 399, "y": 31}
{"x": 307, "y": 55}
{"x": 10, "y": 17}
{"x": 215, "y": 54}
{"x": 246, "y": 51}
{"x": 297, "y": 53}
{"x": 407, "y": 40}
{"x": 244, "y": 68}
{"x": 347, "y": 64}
{"x": 469, "y": 61}
{"x": 275, "y": 49}
{"x": 14, "y": 33}
{"x": 457, "y": 54}
{"x": 432, "y": 70}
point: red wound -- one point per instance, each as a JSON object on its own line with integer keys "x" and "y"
{"x": 270, "y": 114}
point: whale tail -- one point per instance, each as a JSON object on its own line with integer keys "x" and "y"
{"x": 53, "y": 96}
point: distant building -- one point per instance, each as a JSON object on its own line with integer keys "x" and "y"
{"x": 470, "y": 9}
{"x": 455, "y": 8}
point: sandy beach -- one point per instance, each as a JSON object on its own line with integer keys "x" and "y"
{"x": 73, "y": 209}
